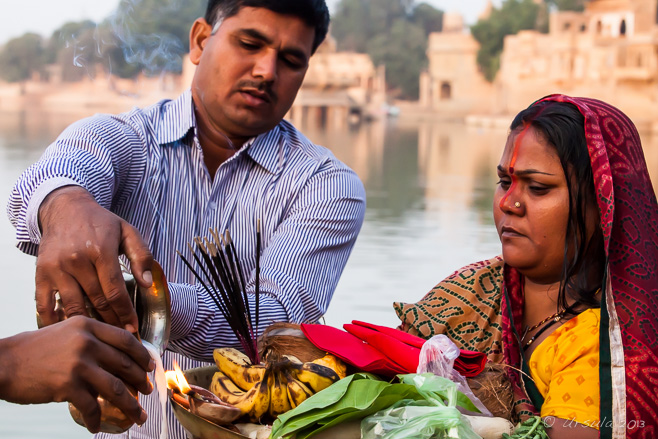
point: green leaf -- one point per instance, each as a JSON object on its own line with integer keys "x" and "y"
{"x": 529, "y": 429}
{"x": 354, "y": 392}
{"x": 361, "y": 395}
{"x": 386, "y": 398}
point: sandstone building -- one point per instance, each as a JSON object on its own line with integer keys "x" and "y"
{"x": 339, "y": 87}
{"x": 608, "y": 51}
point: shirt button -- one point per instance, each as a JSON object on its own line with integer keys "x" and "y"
{"x": 212, "y": 205}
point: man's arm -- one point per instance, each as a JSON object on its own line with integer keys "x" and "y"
{"x": 76, "y": 360}
{"x": 301, "y": 264}
{"x": 60, "y": 208}
{"x": 78, "y": 256}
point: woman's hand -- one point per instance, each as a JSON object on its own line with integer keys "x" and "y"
{"x": 76, "y": 360}
{"x": 78, "y": 256}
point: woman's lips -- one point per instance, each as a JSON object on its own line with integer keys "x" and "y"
{"x": 509, "y": 232}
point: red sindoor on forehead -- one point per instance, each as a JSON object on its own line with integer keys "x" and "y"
{"x": 515, "y": 153}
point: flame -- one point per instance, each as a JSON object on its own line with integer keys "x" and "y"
{"x": 176, "y": 380}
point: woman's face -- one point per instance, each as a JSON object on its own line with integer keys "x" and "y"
{"x": 531, "y": 206}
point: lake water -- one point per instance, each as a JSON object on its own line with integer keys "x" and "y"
{"x": 429, "y": 187}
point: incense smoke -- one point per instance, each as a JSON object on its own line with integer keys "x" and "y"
{"x": 153, "y": 53}
{"x": 124, "y": 46}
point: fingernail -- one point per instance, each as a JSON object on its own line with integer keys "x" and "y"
{"x": 151, "y": 365}
{"x": 147, "y": 276}
{"x": 130, "y": 328}
{"x": 142, "y": 418}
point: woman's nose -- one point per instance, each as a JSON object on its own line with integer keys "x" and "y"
{"x": 512, "y": 202}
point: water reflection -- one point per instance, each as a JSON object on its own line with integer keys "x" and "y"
{"x": 429, "y": 187}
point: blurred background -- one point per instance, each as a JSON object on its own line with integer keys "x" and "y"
{"x": 415, "y": 96}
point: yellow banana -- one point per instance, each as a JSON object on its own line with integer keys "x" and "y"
{"x": 334, "y": 363}
{"x": 260, "y": 397}
{"x": 298, "y": 392}
{"x": 274, "y": 387}
{"x": 279, "y": 402}
{"x": 253, "y": 403}
{"x": 238, "y": 367}
{"x": 317, "y": 376}
{"x": 225, "y": 389}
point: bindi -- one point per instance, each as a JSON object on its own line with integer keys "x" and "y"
{"x": 515, "y": 153}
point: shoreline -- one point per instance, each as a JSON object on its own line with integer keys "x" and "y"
{"x": 116, "y": 95}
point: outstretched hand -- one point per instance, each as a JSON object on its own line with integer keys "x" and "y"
{"x": 79, "y": 256}
{"x": 76, "y": 360}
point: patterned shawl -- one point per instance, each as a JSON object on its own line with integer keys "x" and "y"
{"x": 629, "y": 305}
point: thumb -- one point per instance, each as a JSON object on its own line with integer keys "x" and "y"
{"x": 140, "y": 257}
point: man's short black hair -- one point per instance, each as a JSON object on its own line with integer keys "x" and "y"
{"x": 314, "y": 12}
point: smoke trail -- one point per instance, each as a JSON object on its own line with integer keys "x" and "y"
{"x": 153, "y": 52}
{"x": 126, "y": 45}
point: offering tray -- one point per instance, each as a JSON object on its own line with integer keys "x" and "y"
{"x": 199, "y": 428}
{"x": 196, "y": 426}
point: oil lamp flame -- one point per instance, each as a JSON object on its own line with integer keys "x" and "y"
{"x": 176, "y": 380}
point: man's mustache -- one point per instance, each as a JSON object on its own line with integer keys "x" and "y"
{"x": 261, "y": 86}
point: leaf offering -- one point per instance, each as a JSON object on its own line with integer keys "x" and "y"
{"x": 531, "y": 428}
{"x": 361, "y": 395}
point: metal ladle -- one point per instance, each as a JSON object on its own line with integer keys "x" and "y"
{"x": 153, "y": 308}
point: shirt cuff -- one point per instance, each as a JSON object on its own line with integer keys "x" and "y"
{"x": 39, "y": 194}
{"x": 184, "y": 306}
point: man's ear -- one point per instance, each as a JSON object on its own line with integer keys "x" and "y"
{"x": 199, "y": 35}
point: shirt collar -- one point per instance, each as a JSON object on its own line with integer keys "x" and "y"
{"x": 267, "y": 149}
{"x": 176, "y": 119}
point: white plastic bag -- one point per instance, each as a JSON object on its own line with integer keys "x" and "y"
{"x": 438, "y": 356}
{"x": 434, "y": 417}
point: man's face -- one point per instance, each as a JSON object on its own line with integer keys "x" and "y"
{"x": 249, "y": 70}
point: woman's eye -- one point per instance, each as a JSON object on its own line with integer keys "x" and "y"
{"x": 503, "y": 183}
{"x": 539, "y": 190}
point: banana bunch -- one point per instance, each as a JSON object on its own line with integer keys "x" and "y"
{"x": 274, "y": 387}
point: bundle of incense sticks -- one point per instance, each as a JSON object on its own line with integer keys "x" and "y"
{"x": 220, "y": 273}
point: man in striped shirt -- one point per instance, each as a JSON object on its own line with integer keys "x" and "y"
{"x": 144, "y": 183}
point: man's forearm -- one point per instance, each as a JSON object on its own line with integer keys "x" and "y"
{"x": 60, "y": 199}
{"x": 7, "y": 367}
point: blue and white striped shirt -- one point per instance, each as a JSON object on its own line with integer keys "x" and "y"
{"x": 147, "y": 167}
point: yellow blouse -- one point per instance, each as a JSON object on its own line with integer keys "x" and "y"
{"x": 565, "y": 368}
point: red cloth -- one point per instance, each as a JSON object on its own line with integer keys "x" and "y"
{"x": 404, "y": 355}
{"x": 382, "y": 350}
{"x": 350, "y": 349}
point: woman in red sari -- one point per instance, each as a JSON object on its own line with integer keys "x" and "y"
{"x": 573, "y": 302}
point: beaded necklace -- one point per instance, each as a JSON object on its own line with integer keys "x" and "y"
{"x": 548, "y": 322}
{"x": 551, "y": 321}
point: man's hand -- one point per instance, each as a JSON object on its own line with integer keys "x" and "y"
{"x": 79, "y": 255}
{"x": 76, "y": 360}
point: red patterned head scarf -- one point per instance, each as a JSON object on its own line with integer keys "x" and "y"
{"x": 629, "y": 304}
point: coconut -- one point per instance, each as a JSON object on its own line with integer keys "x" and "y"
{"x": 287, "y": 339}
{"x": 493, "y": 387}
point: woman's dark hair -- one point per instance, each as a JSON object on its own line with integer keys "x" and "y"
{"x": 314, "y": 12}
{"x": 563, "y": 127}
